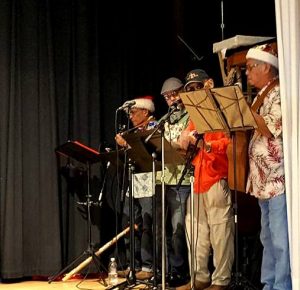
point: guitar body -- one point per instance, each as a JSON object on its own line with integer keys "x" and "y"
{"x": 242, "y": 161}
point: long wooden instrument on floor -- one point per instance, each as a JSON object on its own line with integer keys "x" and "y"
{"x": 97, "y": 253}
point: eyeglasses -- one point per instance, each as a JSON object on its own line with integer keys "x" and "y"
{"x": 171, "y": 95}
{"x": 194, "y": 86}
{"x": 250, "y": 67}
{"x": 134, "y": 111}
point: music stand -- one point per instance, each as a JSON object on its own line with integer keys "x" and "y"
{"x": 222, "y": 109}
{"x": 140, "y": 152}
{"x": 114, "y": 157}
{"x": 141, "y": 159}
{"x": 171, "y": 155}
{"x": 88, "y": 156}
{"x": 138, "y": 159}
{"x": 168, "y": 155}
{"x": 144, "y": 148}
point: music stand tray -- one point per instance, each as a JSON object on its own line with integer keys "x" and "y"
{"x": 79, "y": 152}
{"x": 141, "y": 150}
{"x": 138, "y": 153}
{"x": 171, "y": 154}
{"x": 219, "y": 109}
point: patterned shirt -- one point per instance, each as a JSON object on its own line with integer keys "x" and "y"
{"x": 142, "y": 182}
{"x": 173, "y": 129}
{"x": 266, "y": 172}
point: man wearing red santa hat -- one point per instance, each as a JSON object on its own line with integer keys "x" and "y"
{"x": 141, "y": 116}
{"x": 266, "y": 179}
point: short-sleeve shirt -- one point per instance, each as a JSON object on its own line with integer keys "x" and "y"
{"x": 266, "y": 173}
{"x": 142, "y": 182}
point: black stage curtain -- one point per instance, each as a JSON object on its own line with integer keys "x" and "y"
{"x": 65, "y": 66}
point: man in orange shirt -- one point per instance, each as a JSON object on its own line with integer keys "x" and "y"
{"x": 213, "y": 212}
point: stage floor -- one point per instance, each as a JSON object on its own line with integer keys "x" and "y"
{"x": 88, "y": 284}
{"x": 93, "y": 284}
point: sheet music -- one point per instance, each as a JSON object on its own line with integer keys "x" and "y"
{"x": 219, "y": 109}
{"x": 141, "y": 152}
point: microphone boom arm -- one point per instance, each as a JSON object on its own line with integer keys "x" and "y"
{"x": 103, "y": 184}
{"x": 162, "y": 122}
{"x": 189, "y": 48}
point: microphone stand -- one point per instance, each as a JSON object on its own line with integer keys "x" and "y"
{"x": 154, "y": 227}
{"x": 192, "y": 150}
{"x": 160, "y": 127}
{"x": 190, "y": 49}
{"x": 161, "y": 123}
{"x": 192, "y": 246}
{"x": 103, "y": 184}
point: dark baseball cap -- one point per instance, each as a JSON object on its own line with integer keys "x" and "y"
{"x": 195, "y": 76}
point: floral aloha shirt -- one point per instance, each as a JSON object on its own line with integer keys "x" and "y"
{"x": 266, "y": 172}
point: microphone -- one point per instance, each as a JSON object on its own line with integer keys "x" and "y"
{"x": 176, "y": 106}
{"x": 103, "y": 184}
{"x": 126, "y": 105}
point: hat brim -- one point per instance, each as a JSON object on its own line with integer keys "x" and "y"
{"x": 190, "y": 82}
{"x": 144, "y": 104}
{"x": 263, "y": 56}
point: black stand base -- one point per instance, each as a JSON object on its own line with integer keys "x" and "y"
{"x": 85, "y": 255}
{"x": 61, "y": 272}
{"x": 132, "y": 282}
{"x": 239, "y": 282}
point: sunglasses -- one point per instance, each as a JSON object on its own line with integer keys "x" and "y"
{"x": 194, "y": 86}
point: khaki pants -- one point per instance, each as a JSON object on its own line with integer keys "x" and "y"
{"x": 213, "y": 229}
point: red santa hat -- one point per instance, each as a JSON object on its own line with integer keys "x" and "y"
{"x": 265, "y": 53}
{"x": 144, "y": 102}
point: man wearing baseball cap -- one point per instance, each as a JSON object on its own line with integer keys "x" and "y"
{"x": 177, "y": 253}
{"x": 266, "y": 179}
{"x": 213, "y": 217}
{"x": 195, "y": 80}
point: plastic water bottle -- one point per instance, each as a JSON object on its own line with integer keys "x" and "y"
{"x": 112, "y": 272}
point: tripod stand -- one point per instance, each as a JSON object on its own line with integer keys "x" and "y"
{"x": 222, "y": 109}
{"x": 88, "y": 156}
